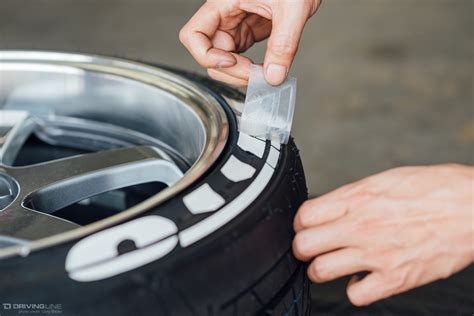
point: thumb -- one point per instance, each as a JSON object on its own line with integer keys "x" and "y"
{"x": 288, "y": 21}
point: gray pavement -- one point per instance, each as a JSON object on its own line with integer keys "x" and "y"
{"x": 381, "y": 83}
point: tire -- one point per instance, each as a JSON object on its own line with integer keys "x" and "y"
{"x": 242, "y": 267}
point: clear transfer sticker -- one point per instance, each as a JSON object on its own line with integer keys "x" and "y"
{"x": 268, "y": 110}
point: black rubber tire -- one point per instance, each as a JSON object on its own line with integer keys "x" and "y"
{"x": 244, "y": 268}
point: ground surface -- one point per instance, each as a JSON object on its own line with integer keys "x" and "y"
{"x": 381, "y": 83}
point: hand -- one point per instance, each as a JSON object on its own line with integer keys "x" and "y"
{"x": 222, "y": 29}
{"x": 407, "y": 227}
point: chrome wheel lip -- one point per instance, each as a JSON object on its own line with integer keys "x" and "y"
{"x": 208, "y": 109}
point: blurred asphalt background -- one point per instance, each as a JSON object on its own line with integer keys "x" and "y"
{"x": 381, "y": 83}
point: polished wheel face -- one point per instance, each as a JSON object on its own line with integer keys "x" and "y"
{"x": 133, "y": 124}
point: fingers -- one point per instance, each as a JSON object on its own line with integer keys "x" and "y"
{"x": 241, "y": 69}
{"x": 319, "y": 211}
{"x": 196, "y": 37}
{"x": 223, "y": 40}
{"x": 237, "y": 75}
{"x": 287, "y": 27}
{"x": 326, "y": 208}
{"x": 220, "y": 76}
{"x": 336, "y": 264}
{"x": 311, "y": 242}
{"x": 367, "y": 290}
{"x": 211, "y": 48}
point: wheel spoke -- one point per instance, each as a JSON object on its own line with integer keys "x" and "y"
{"x": 50, "y": 186}
{"x": 15, "y": 128}
{"x": 22, "y": 223}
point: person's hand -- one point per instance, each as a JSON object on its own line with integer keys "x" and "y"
{"x": 407, "y": 227}
{"x": 222, "y": 29}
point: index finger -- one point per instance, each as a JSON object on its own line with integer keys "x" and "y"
{"x": 196, "y": 37}
{"x": 311, "y": 242}
{"x": 326, "y": 208}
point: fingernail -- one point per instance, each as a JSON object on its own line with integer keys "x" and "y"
{"x": 225, "y": 64}
{"x": 275, "y": 74}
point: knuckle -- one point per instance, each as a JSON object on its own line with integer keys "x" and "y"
{"x": 283, "y": 48}
{"x": 297, "y": 224}
{"x": 304, "y": 213}
{"x": 372, "y": 221}
{"x": 311, "y": 273}
{"x": 364, "y": 195}
{"x": 183, "y": 35}
{"x": 355, "y": 298}
{"x": 306, "y": 205}
{"x": 365, "y": 225}
{"x": 387, "y": 259}
{"x": 320, "y": 269}
{"x": 398, "y": 280}
{"x": 370, "y": 259}
{"x": 300, "y": 246}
